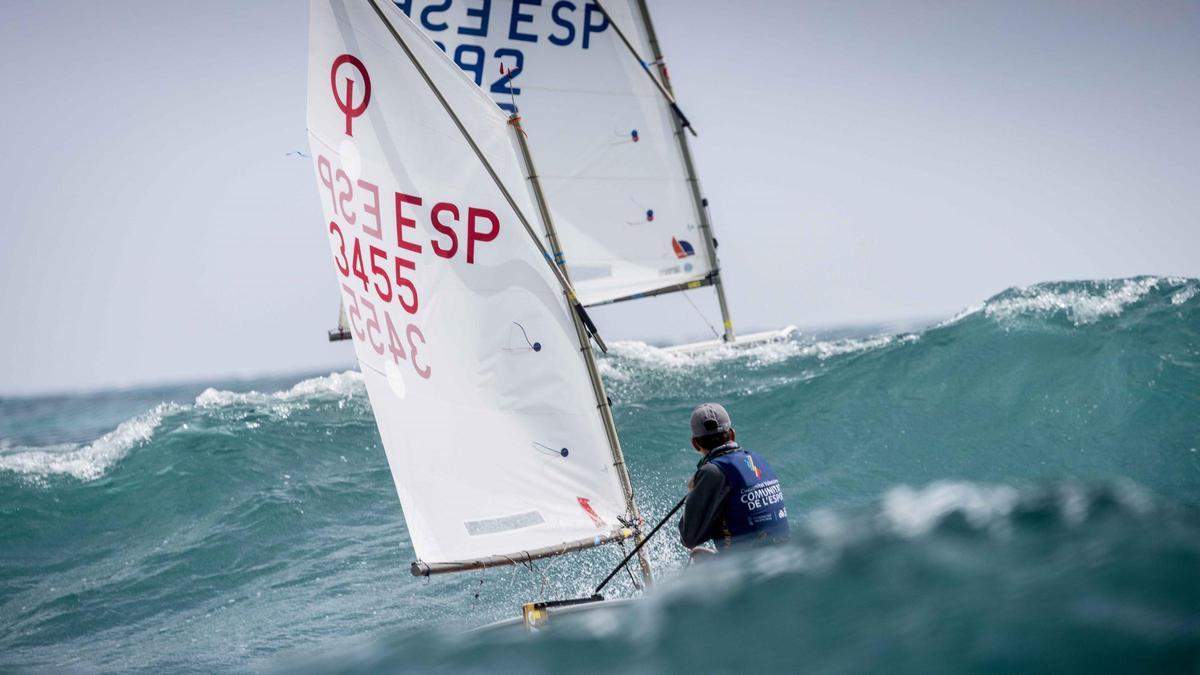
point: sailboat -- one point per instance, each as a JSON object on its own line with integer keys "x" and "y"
{"x": 626, "y": 213}
{"x": 475, "y": 348}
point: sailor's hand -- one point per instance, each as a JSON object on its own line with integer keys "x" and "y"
{"x": 691, "y": 483}
{"x": 700, "y": 553}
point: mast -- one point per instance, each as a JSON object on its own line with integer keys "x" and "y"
{"x": 538, "y": 196}
{"x": 698, "y": 199}
{"x": 583, "y": 325}
{"x": 602, "y": 401}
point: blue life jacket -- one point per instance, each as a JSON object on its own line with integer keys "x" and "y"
{"x": 754, "y": 511}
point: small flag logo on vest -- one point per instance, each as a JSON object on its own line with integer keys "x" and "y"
{"x": 755, "y": 469}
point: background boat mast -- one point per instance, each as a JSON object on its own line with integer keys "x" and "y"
{"x": 698, "y": 199}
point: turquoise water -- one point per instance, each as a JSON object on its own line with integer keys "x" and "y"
{"x": 1015, "y": 490}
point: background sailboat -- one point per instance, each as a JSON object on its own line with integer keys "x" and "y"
{"x": 614, "y": 160}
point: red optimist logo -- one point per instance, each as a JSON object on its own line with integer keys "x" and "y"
{"x": 344, "y": 95}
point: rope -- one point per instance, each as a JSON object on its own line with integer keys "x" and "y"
{"x": 702, "y": 317}
{"x": 527, "y": 563}
{"x": 509, "y": 74}
{"x": 636, "y": 585}
{"x": 515, "y": 121}
{"x": 639, "y": 546}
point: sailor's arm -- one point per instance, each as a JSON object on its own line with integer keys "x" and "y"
{"x": 703, "y": 506}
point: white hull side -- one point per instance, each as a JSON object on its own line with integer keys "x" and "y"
{"x": 743, "y": 341}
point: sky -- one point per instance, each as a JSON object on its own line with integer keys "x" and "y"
{"x": 865, "y": 163}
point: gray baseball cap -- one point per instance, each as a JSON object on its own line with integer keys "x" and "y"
{"x": 710, "y": 418}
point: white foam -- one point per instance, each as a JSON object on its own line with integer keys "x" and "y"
{"x": 911, "y": 512}
{"x": 1184, "y": 295}
{"x": 969, "y": 311}
{"x": 345, "y": 383}
{"x": 86, "y": 462}
{"x": 1081, "y": 306}
{"x": 765, "y": 353}
{"x": 91, "y": 461}
{"x": 826, "y": 350}
{"x": 335, "y": 384}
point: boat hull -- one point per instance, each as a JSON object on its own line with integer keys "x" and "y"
{"x": 742, "y": 342}
{"x": 555, "y": 616}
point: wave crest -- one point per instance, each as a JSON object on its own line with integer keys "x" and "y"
{"x": 1084, "y": 303}
{"x": 760, "y": 354}
{"x": 90, "y": 461}
{"x": 912, "y": 512}
{"x": 337, "y": 385}
{"x": 87, "y": 462}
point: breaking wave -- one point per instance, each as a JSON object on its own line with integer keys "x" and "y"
{"x": 334, "y": 385}
{"x": 90, "y": 461}
{"x": 1084, "y": 303}
{"x": 1010, "y": 490}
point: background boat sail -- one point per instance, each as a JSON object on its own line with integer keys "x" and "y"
{"x": 495, "y": 423}
{"x": 614, "y": 160}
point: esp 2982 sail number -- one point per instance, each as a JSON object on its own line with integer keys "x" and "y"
{"x": 462, "y": 28}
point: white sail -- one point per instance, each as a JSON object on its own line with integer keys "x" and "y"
{"x": 471, "y": 359}
{"x": 602, "y": 133}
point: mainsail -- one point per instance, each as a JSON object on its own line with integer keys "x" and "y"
{"x": 614, "y": 165}
{"x": 495, "y": 426}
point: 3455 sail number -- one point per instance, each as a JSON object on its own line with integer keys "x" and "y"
{"x": 403, "y": 289}
{"x": 387, "y": 279}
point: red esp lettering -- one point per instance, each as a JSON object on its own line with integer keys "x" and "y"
{"x": 402, "y": 222}
{"x": 435, "y": 216}
{"x": 474, "y": 234}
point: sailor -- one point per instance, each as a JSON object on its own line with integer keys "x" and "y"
{"x": 734, "y": 498}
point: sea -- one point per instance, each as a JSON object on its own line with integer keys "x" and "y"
{"x": 1015, "y": 489}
